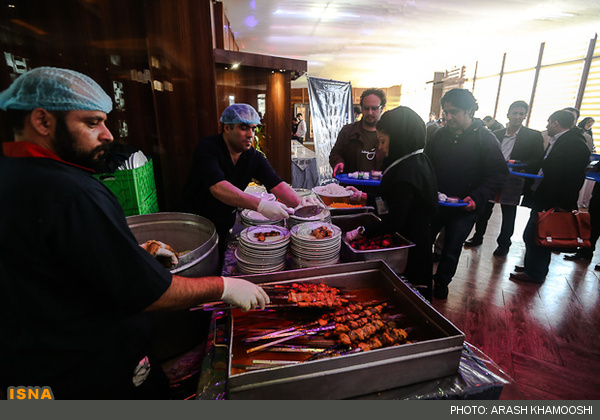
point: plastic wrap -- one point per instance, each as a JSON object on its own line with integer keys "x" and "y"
{"x": 331, "y": 109}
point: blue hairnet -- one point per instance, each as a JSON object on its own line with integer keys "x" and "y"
{"x": 240, "y": 114}
{"x": 55, "y": 89}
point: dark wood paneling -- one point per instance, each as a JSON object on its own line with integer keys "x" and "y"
{"x": 278, "y": 123}
{"x": 180, "y": 42}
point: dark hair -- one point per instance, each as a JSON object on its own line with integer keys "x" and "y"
{"x": 575, "y": 110}
{"x": 516, "y": 104}
{"x": 462, "y": 99}
{"x": 488, "y": 118}
{"x": 583, "y": 122}
{"x": 357, "y": 109}
{"x": 16, "y": 118}
{"x": 564, "y": 118}
{"x": 376, "y": 92}
{"x": 299, "y": 115}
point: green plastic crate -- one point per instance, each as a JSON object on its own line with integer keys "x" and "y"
{"x": 135, "y": 189}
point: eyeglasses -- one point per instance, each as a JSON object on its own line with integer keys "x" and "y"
{"x": 371, "y": 108}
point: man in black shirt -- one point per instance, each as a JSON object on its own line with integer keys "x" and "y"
{"x": 74, "y": 282}
{"x": 223, "y": 166}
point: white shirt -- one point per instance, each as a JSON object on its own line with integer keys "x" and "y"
{"x": 301, "y": 130}
{"x": 508, "y": 143}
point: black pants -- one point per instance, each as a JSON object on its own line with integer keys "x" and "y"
{"x": 509, "y": 214}
{"x": 457, "y": 224}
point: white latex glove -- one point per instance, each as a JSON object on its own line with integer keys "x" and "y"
{"x": 243, "y": 294}
{"x": 310, "y": 201}
{"x": 338, "y": 169}
{"x": 274, "y": 210}
{"x": 353, "y": 235}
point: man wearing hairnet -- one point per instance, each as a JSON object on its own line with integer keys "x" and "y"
{"x": 74, "y": 283}
{"x": 223, "y": 166}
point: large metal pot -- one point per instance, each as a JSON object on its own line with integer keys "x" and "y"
{"x": 184, "y": 232}
{"x": 179, "y": 331}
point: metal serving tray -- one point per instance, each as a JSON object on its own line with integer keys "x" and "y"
{"x": 396, "y": 257}
{"x": 435, "y": 354}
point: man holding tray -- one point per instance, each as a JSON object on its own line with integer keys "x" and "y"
{"x": 469, "y": 165}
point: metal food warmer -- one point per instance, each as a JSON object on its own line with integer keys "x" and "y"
{"x": 433, "y": 351}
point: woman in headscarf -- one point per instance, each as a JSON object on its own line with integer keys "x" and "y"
{"x": 408, "y": 190}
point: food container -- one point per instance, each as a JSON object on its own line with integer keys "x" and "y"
{"x": 396, "y": 256}
{"x": 434, "y": 354}
{"x": 190, "y": 233}
{"x": 178, "y": 331}
{"x": 330, "y": 198}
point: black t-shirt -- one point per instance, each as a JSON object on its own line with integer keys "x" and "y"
{"x": 73, "y": 281}
{"x": 212, "y": 164}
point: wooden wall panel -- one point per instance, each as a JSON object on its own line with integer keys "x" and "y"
{"x": 278, "y": 123}
{"x": 180, "y": 53}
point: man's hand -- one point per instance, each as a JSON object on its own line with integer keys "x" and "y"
{"x": 274, "y": 210}
{"x": 243, "y": 294}
{"x": 471, "y": 206}
{"x": 338, "y": 169}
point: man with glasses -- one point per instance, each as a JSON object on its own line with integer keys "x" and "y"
{"x": 469, "y": 165}
{"x": 356, "y": 145}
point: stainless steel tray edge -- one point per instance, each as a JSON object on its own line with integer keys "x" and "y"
{"x": 345, "y": 377}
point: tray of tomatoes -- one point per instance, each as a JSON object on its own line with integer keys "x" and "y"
{"x": 391, "y": 248}
{"x": 379, "y": 242}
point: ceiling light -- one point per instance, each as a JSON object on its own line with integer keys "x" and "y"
{"x": 234, "y": 66}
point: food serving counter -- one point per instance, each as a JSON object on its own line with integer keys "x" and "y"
{"x": 434, "y": 352}
{"x": 433, "y": 349}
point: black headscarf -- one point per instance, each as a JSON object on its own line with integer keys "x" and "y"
{"x": 406, "y": 131}
{"x": 407, "y": 134}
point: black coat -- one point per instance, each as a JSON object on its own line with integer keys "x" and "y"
{"x": 468, "y": 164}
{"x": 564, "y": 173}
{"x": 528, "y": 148}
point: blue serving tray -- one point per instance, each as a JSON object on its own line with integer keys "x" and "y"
{"x": 526, "y": 175}
{"x": 459, "y": 204}
{"x": 344, "y": 178}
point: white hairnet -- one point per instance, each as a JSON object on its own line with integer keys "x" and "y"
{"x": 240, "y": 114}
{"x": 55, "y": 89}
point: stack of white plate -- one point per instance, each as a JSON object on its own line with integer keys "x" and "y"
{"x": 254, "y": 218}
{"x": 255, "y": 256}
{"x": 308, "y": 251}
{"x": 324, "y": 216}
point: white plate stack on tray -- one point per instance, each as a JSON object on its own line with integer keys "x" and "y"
{"x": 254, "y": 218}
{"x": 308, "y": 250}
{"x": 262, "y": 249}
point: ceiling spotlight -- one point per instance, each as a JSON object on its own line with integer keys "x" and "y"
{"x": 234, "y": 66}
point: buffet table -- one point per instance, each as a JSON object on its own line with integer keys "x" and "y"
{"x": 304, "y": 167}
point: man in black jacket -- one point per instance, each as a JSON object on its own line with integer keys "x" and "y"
{"x": 469, "y": 165}
{"x": 523, "y": 146}
{"x": 563, "y": 171}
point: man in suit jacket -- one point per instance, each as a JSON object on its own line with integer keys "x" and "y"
{"x": 563, "y": 171}
{"x": 525, "y": 146}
